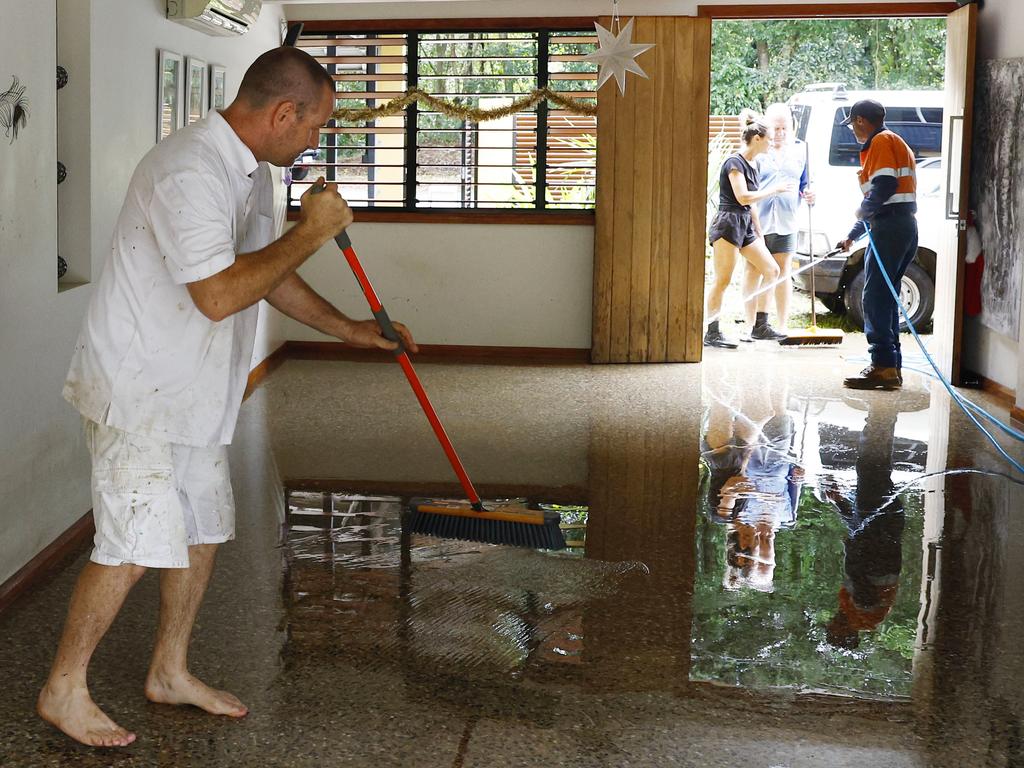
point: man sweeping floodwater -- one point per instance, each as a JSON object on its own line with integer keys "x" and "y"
{"x": 161, "y": 365}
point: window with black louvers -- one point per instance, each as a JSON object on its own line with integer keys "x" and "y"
{"x": 470, "y": 152}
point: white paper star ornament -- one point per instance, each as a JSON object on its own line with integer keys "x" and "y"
{"x": 616, "y": 55}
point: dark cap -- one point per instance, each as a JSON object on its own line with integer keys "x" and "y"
{"x": 868, "y": 108}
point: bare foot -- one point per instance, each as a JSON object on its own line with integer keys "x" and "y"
{"x": 75, "y": 713}
{"x": 186, "y": 689}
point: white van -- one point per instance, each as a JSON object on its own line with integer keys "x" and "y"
{"x": 834, "y": 155}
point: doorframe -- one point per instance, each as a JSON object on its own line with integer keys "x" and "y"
{"x": 826, "y": 10}
{"x": 845, "y": 11}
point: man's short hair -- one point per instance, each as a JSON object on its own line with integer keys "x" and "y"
{"x": 869, "y": 109}
{"x": 285, "y": 74}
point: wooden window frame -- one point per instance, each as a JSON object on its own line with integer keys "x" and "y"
{"x": 826, "y": 10}
{"x": 458, "y": 215}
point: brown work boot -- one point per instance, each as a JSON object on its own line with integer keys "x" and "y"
{"x": 875, "y": 377}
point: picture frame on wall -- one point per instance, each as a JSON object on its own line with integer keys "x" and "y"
{"x": 197, "y": 90}
{"x": 170, "y": 108}
{"x": 218, "y": 86}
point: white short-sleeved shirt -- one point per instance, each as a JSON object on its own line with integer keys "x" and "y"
{"x": 147, "y": 361}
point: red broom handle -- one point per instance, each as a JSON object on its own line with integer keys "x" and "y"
{"x": 389, "y": 332}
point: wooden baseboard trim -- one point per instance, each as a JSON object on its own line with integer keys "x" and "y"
{"x": 568, "y": 494}
{"x": 1017, "y": 414}
{"x": 1003, "y": 394}
{"x": 36, "y": 570}
{"x": 261, "y": 371}
{"x": 440, "y": 353}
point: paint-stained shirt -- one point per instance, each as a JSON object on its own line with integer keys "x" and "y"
{"x": 147, "y": 361}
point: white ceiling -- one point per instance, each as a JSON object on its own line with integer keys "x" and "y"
{"x": 360, "y": 2}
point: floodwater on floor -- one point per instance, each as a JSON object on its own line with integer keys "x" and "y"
{"x": 764, "y": 569}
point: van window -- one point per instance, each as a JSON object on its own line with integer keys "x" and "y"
{"x": 801, "y": 117}
{"x": 920, "y": 127}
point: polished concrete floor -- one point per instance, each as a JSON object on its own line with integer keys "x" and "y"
{"x": 764, "y": 570}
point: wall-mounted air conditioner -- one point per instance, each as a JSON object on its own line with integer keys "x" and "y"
{"x": 216, "y": 17}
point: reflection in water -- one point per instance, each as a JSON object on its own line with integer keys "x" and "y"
{"x": 801, "y": 551}
{"x": 807, "y": 567}
{"x": 479, "y": 609}
{"x": 473, "y": 621}
{"x": 792, "y": 560}
{"x": 753, "y": 484}
{"x": 874, "y": 519}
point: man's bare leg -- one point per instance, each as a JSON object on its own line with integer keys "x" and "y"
{"x": 169, "y": 682}
{"x": 64, "y": 701}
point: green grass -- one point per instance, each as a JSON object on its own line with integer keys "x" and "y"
{"x": 825, "y": 319}
{"x": 828, "y": 319}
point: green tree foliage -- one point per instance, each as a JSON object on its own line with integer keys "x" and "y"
{"x": 778, "y": 639}
{"x": 755, "y": 63}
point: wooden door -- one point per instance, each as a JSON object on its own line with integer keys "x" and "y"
{"x": 961, "y": 27}
{"x": 651, "y": 188}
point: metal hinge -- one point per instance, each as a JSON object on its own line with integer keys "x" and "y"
{"x": 961, "y": 224}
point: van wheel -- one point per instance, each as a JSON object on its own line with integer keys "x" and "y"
{"x": 917, "y": 292}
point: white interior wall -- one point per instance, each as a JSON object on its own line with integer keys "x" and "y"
{"x": 998, "y": 357}
{"x": 44, "y": 468}
{"x": 466, "y": 284}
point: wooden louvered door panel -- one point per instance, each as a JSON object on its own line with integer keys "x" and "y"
{"x": 651, "y": 187}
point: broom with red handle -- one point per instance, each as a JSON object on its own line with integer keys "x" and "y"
{"x": 517, "y": 526}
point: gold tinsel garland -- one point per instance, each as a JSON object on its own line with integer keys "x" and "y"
{"x": 398, "y": 105}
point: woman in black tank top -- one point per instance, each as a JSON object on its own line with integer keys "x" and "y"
{"x": 735, "y": 228}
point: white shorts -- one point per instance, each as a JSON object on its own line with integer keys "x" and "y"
{"x": 152, "y": 500}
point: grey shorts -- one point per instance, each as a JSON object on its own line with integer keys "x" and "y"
{"x": 780, "y": 243}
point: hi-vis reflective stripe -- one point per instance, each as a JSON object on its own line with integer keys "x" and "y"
{"x": 896, "y": 173}
{"x": 901, "y": 197}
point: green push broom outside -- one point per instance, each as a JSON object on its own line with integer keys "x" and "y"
{"x": 512, "y": 525}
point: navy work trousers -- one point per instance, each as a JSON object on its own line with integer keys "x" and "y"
{"x": 895, "y": 237}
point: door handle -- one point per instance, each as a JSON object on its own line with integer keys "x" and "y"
{"x": 950, "y": 213}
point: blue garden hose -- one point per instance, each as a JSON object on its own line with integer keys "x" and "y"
{"x": 965, "y": 405}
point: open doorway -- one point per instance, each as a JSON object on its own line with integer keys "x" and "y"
{"x": 818, "y": 68}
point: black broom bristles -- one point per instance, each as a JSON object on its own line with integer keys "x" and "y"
{"x": 546, "y": 535}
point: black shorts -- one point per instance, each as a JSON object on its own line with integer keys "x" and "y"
{"x": 737, "y": 227}
{"x": 780, "y": 243}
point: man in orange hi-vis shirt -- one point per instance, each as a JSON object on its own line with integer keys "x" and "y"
{"x": 888, "y": 179}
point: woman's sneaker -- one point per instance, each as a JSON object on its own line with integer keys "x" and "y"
{"x": 717, "y": 339}
{"x": 766, "y": 333}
